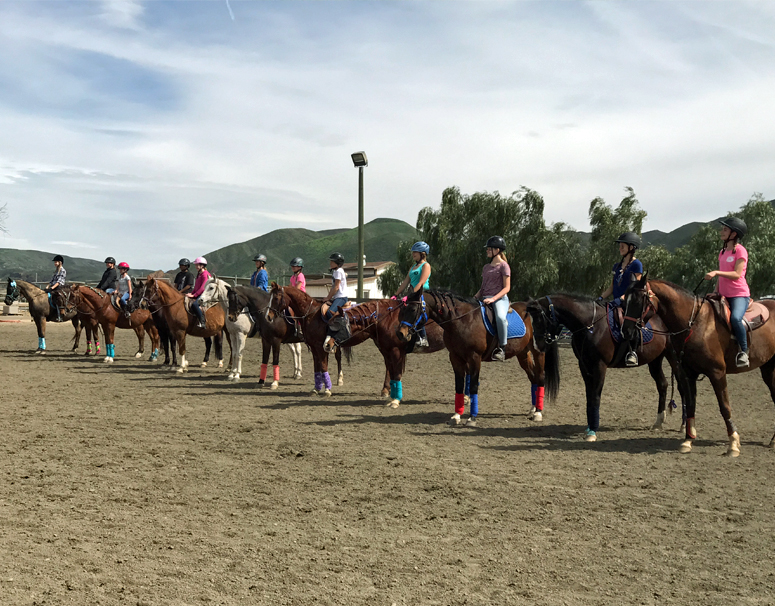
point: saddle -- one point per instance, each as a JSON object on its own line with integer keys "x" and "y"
{"x": 114, "y": 301}
{"x": 755, "y": 316}
{"x": 517, "y": 328}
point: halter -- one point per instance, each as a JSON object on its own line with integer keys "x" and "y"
{"x": 421, "y": 317}
{"x": 554, "y": 328}
{"x": 14, "y": 294}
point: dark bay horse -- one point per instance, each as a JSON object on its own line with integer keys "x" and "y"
{"x": 97, "y": 303}
{"x": 595, "y": 349}
{"x": 704, "y": 344}
{"x": 375, "y": 320}
{"x": 40, "y": 310}
{"x": 468, "y": 342}
{"x": 158, "y": 294}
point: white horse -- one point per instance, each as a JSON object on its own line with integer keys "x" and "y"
{"x": 216, "y": 292}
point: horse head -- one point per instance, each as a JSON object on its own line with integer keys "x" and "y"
{"x": 639, "y": 307}
{"x": 546, "y": 325}
{"x": 412, "y": 316}
{"x": 277, "y": 301}
{"x": 235, "y": 308}
{"x": 12, "y": 292}
{"x": 212, "y": 292}
{"x": 141, "y": 297}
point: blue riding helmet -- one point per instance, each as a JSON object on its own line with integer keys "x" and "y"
{"x": 421, "y": 247}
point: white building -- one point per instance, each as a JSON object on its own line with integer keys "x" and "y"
{"x": 371, "y": 271}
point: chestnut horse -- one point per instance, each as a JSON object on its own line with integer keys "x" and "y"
{"x": 704, "y": 344}
{"x": 469, "y": 343}
{"x": 376, "y": 319}
{"x": 97, "y": 303}
{"x": 40, "y": 310}
{"x": 182, "y": 322}
{"x": 595, "y": 349}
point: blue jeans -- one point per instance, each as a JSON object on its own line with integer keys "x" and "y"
{"x": 501, "y": 307}
{"x": 335, "y": 305}
{"x": 738, "y": 305}
{"x": 197, "y": 310}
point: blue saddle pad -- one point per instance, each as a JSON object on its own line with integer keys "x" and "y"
{"x": 616, "y": 331}
{"x": 516, "y": 325}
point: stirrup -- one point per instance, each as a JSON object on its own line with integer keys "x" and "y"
{"x": 498, "y": 355}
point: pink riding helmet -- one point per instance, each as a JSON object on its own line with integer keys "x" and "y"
{"x": 123, "y": 265}
{"x": 200, "y": 261}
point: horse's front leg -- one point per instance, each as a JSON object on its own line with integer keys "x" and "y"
{"x": 534, "y": 372}
{"x": 208, "y": 346}
{"x": 40, "y": 324}
{"x": 153, "y": 332}
{"x": 140, "y": 332}
{"x": 688, "y": 378}
{"x": 394, "y": 363}
{"x": 266, "y": 349}
{"x": 180, "y": 340}
{"x": 719, "y": 381}
{"x": 460, "y": 368}
{"x": 386, "y": 386}
{"x": 473, "y": 391}
{"x": 296, "y": 353}
{"x": 656, "y": 372}
{"x": 109, "y": 330}
{"x": 339, "y": 373}
{"x": 322, "y": 380}
{"x": 593, "y": 372}
{"x": 219, "y": 348}
{"x": 275, "y": 363}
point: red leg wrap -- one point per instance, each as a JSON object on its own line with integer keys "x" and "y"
{"x": 540, "y": 398}
{"x": 262, "y": 375}
{"x": 459, "y": 403}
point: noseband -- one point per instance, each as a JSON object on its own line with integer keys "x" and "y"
{"x": 553, "y": 328}
{"x": 422, "y": 317}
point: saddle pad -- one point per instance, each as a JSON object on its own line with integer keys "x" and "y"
{"x": 756, "y": 314}
{"x": 516, "y": 324}
{"x": 616, "y": 330}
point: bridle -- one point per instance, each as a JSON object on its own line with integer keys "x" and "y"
{"x": 553, "y": 326}
{"x": 14, "y": 294}
{"x": 421, "y": 318}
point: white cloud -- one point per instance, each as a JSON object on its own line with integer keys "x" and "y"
{"x": 122, "y": 13}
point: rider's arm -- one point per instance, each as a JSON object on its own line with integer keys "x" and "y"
{"x": 732, "y": 275}
{"x": 502, "y": 292}
{"x": 333, "y": 290}
{"x": 403, "y": 285}
{"x": 607, "y": 292}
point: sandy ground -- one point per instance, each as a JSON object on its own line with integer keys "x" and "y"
{"x": 128, "y": 484}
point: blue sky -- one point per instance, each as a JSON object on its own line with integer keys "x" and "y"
{"x": 155, "y": 130}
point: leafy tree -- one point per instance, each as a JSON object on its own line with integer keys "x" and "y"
{"x": 657, "y": 261}
{"x": 759, "y": 216}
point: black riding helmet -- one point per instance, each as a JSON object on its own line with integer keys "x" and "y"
{"x": 185, "y": 262}
{"x": 629, "y": 237}
{"x": 110, "y": 260}
{"x": 297, "y": 262}
{"x": 337, "y": 258}
{"x": 260, "y": 258}
{"x": 735, "y": 224}
{"x": 59, "y": 258}
{"x": 496, "y": 242}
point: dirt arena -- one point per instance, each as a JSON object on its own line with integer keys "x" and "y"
{"x": 128, "y": 484}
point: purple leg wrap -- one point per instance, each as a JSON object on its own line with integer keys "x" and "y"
{"x": 318, "y": 381}
{"x": 327, "y": 379}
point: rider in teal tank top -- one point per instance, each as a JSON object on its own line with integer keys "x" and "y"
{"x": 418, "y": 278}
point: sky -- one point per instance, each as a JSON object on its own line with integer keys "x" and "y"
{"x": 154, "y": 130}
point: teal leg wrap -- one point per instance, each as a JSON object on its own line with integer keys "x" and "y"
{"x": 399, "y": 391}
{"x": 392, "y": 389}
{"x": 41, "y": 343}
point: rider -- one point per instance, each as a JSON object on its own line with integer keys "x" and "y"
{"x": 202, "y": 277}
{"x": 57, "y": 283}
{"x": 496, "y": 284}
{"x": 297, "y": 279}
{"x": 337, "y": 296}
{"x": 626, "y": 270}
{"x": 184, "y": 280}
{"x": 419, "y": 278}
{"x": 109, "y": 276}
{"x": 260, "y": 279}
{"x": 124, "y": 287}
{"x": 733, "y": 264}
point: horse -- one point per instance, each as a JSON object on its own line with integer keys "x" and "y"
{"x": 704, "y": 345}
{"x": 240, "y": 325}
{"x": 41, "y": 310}
{"x": 180, "y": 320}
{"x": 596, "y": 350}
{"x": 97, "y": 303}
{"x": 468, "y": 343}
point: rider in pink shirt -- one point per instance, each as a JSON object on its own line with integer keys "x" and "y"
{"x": 199, "y": 287}
{"x": 297, "y": 279}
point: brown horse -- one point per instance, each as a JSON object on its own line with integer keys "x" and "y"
{"x": 182, "y": 322}
{"x": 95, "y": 302}
{"x": 704, "y": 344}
{"x": 375, "y": 320}
{"x": 41, "y": 310}
{"x": 595, "y": 349}
{"x": 468, "y": 342}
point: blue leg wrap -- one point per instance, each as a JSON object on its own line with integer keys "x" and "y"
{"x": 533, "y": 391}
{"x": 392, "y": 389}
{"x": 41, "y": 343}
{"x": 474, "y": 404}
{"x": 399, "y": 391}
{"x": 468, "y": 385}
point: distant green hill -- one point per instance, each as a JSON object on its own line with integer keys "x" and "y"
{"x": 35, "y": 264}
{"x": 381, "y": 238}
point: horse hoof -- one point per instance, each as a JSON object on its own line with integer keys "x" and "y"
{"x": 235, "y": 378}
{"x": 682, "y": 429}
{"x": 531, "y": 411}
{"x": 107, "y": 359}
{"x": 180, "y": 370}
{"x": 454, "y": 420}
{"x": 734, "y": 445}
{"x": 139, "y": 354}
{"x": 314, "y": 393}
{"x": 394, "y": 403}
{"x": 220, "y": 364}
{"x": 326, "y": 393}
{"x": 471, "y": 422}
{"x": 274, "y": 385}
{"x": 466, "y": 400}
{"x": 590, "y": 436}
{"x": 537, "y": 416}
{"x": 686, "y": 447}
{"x": 203, "y": 365}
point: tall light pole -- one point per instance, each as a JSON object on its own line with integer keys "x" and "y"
{"x": 359, "y": 160}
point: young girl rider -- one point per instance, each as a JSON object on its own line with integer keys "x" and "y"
{"x": 260, "y": 278}
{"x": 124, "y": 286}
{"x": 496, "y": 284}
{"x": 419, "y": 279}
{"x": 337, "y": 296}
{"x": 57, "y": 284}
{"x": 297, "y": 279}
{"x": 623, "y": 272}
{"x": 733, "y": 264}
{"x": 202, "y": 277}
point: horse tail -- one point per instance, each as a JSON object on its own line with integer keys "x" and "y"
{"x": 552, "y": 371}
{"x": 348, "y": 354}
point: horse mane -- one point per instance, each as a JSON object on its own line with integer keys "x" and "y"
{"x": 681, "y": 289}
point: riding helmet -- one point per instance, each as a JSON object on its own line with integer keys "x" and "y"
{"x": 297, "y": 262}
{"x": 200, "y": 261}
{"x": 337, "y": 258}
{"x": 421, "y": 247}
{"x": 184, "y": 262}
{"x": 260, "y": 258}
{"x": 123, "y": 265}
{"x": 629, "y": 237}
{"x": 110, "y": 260}
{"x": 59, "y": 258}
{"x": 496, "y": 242}
{"x": 735, "y": 224}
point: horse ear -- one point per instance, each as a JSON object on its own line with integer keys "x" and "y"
{"x": 274, "y": 285}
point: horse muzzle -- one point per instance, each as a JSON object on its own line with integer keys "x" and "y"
{"x": 402, "y": 332}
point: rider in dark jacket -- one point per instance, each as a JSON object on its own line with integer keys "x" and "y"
{"x": 184, "y": 281}
{"x": 109, "y": 277}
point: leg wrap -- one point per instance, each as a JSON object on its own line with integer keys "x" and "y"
{"x": 276, "y": 373}
{"x": 468, "y": 385}
{"x": 262, "y": 374}
{"x": 459, "y": 403}
{"x": 474, "y": 404}
{"x": 533, "y": 389}
{"x": 41, "y": 343}
{"x": 318, "y": 381}
{"x": 539, "y": 401}
{"x": 399, "y": 391}
{"x": 392, "y": 389}
{"x": 327, "y": 380}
